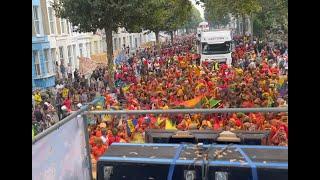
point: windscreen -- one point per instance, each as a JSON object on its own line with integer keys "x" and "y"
{"x": 222, "y": 48}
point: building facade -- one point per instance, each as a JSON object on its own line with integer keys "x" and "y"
{"x": 123, "y": 38}
{"x": 55, "y": 42}
{"x": 43, "y": 75}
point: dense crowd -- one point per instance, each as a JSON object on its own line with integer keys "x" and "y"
{"x": 174, "y": 78}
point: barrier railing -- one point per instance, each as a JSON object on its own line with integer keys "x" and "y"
{"x": 63, "y": 121}
{"x": 190, "y": 111}
{"x": 63, "y": 151}
{"x": 53, "y": 138}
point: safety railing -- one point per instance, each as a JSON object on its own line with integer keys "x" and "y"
{"x": 190, "y": 111}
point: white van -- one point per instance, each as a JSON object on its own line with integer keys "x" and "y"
{"x": 216, "y": 45}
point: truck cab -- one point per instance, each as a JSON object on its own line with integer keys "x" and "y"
{"x": 216, "y": 46}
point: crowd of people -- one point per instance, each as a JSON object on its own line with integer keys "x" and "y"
{"x": 174, "y": 78}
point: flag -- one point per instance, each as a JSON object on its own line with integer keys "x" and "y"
{"x": 204, "y": 100}
{"x": 170, "y": 125}
{"x": 213, "y": 102}
{"x": 195, "y": 102}
{"x": 130, "y": 125}
{"x": 126, "y": 88}
{"x": 178, "y": 107}
{"x": 159, "y": 120}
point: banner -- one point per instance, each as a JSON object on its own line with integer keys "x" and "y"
{"x": 86, "y": 65}
{"x": 100, "y": 58}
{"x": 62, "y": 154}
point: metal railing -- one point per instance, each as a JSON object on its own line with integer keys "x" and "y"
{"x": 84, "y": 110}
{"x": 189, "y": 111}
{"x": 63, "y": 121}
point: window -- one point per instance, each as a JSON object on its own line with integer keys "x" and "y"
{"x": 136, "y": 42}
{"x": 61, "y": 55}
{"x": 37, "y": 62}
{"x": 68, "y": 27}
{"x": 130, "y": 41}
{"x": 63, "y": 26}
{"x": 96, "y": 47}
{"x": 124, "y": 40}
{"x": 53, "y": 57}
{"x": 47, "y": 60}
{"x": 69, "y": 55}
{"x": 74, "y": 54}
{"x": 119, "y": 44}
{"x": 80, "y": 50}
{"x": 140, "y": 39}
{"x": 115, "y": 43}
{"x": 51, "y": 20}
{"x": 88, "y": 49}
{"x": 36, "y": 19}
{"x": 102, "y": 46}
{"x": 222, "y": 48}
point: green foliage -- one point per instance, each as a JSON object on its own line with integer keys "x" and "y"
{"x": 266, "y": 15}
{"x": 217, "y": 11}
{"x": 273, "y": 17}
{"x": 194, "y": 19}
{"x": 90, "y": 15}
{"x": 165, "y": 15}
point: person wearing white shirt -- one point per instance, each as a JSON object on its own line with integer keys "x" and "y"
{"x": 252, "y": 65}
{"x": 157, "y": 67}
{"x": 150, "y": 65}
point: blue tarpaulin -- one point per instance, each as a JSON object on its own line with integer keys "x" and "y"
{"x": 121, "y": 58}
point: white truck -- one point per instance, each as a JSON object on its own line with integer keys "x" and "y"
{"x": 217, "y": 46}
{"x": 202, "y": 27}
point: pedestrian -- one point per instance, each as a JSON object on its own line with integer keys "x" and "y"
{"x": 84, "y": 97}
{"x": 63, "y": 70}
{"x": 67, "y": 102}
{"x": 76, "y": 75}
{"x": 59, "y": 103}
{"x": 69, "y": 72}
{"x": 38, "y": 113}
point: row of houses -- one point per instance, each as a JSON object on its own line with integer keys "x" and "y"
{"x": 55, "y": 42}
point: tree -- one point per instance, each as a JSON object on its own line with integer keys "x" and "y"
{"x": 165, "y": 15}
{"x": 273, "y": 17}
{"x": 91, "y": 15}
{"x": 193, "y": 20}
{"x": 220, "y": 9}
{"x": 178, "y": 15}
{"x": 216, "y": 11}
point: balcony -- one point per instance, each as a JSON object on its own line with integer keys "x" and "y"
{"x": 43, "y": 76}
{"x": 39, "y": 39}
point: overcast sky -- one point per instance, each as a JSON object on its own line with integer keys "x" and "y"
{"x": 199, "y": 8}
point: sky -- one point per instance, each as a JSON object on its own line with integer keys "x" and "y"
{"x": 199, "y": 8}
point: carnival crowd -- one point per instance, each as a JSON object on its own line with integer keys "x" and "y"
{"x": 174, "y": 78}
